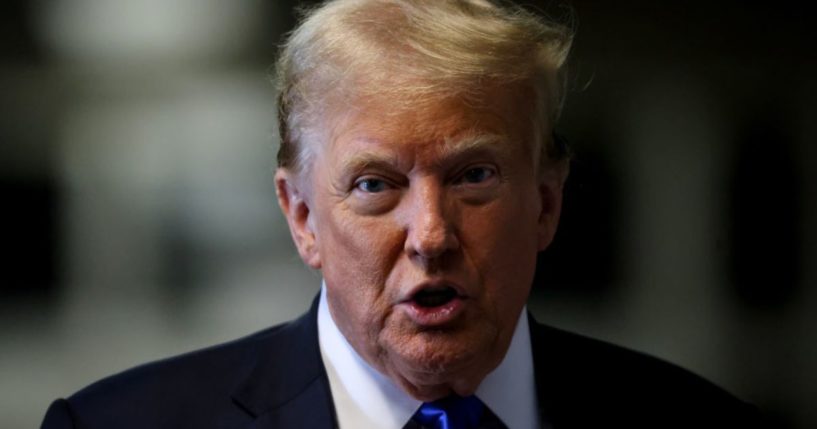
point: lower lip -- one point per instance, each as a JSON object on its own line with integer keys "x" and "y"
{"x": 434, "y": 316}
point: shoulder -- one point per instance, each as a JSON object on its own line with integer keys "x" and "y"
{"x": 597, "y": 382}
{"x": 191, "y": 390}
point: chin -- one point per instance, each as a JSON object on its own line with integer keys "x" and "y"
{"x": 438, "y": 362}
{"x": 429, "y": 377}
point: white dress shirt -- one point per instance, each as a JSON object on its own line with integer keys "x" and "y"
{"x": 365, "y": 398}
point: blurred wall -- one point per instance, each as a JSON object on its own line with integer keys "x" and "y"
{"x": 138, "y": 142}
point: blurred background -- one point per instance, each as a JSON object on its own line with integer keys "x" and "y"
{"x": 138, "y": 141}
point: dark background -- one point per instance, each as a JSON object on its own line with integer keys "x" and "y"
{"x": 137, "y": 148}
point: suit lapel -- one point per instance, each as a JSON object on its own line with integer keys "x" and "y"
{"x": 552, "y": 371}
{"x": 573, "y": 380}
{"x": 287, "y": 386}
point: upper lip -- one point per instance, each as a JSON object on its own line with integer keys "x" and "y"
{"x": 436, "y": 283}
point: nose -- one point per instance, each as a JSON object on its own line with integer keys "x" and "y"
{"x": 431, "y": 229}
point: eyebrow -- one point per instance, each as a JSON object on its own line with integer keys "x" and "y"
{"x": 472, "y": 144}
{"x": 453, "y": 150}
{"x": 362, "y": 161}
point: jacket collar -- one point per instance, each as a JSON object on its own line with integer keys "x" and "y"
{"x": 287, "y": 386}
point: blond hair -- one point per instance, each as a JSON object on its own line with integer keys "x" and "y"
{"x": 414, "y": 52}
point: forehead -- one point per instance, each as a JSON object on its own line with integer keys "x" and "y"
{"x": 433, "y": 126}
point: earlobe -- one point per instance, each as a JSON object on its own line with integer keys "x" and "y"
{"x": 295, "y": 207}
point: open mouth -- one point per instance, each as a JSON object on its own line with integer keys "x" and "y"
{"x": 434, "y": 297}
{"x": 435, "y": 305}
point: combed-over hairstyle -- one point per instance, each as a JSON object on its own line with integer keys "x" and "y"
{"x": 412, "y": 52}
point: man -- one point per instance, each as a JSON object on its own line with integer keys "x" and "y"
{"x": 418, "y": 173}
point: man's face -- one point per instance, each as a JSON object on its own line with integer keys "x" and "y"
{"x": 425, "y": 225}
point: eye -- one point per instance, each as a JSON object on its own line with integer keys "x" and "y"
{"x": 371, "y": 185}
{"x": 476, "y": 175}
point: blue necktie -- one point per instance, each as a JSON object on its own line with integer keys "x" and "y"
{"x": 453, "y": 412}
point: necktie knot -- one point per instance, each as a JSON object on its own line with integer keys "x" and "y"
{"x": 452, "y": 412}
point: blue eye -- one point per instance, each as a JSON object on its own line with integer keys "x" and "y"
{"x": 371, "y": 185}
{"x": 477, "y": 175}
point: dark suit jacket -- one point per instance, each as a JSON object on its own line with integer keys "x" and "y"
{"x": 276, "y": 379}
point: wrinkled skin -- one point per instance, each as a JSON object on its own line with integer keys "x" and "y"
{"x": 447, "y": 194}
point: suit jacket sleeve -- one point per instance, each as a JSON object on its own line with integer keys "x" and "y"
{"x": 58, "y": 416}
{"x": 272, "y": 379}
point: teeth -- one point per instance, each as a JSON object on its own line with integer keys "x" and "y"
{"x": 434, "y": 297}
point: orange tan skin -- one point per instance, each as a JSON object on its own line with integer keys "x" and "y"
{"x": 445, "y": 195}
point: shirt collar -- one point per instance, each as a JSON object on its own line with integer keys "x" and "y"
{"x": 366, "y": 398}
{"x": 510, "y": 389}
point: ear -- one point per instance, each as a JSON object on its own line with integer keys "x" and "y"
{"x": 551, "y": 185}
{"x": 291, "y": 198}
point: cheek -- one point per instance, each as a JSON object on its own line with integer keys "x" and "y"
{"x": 357, "y": 254}
{"x": 504, "y": 248}
{"x": 360, "y": 250}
